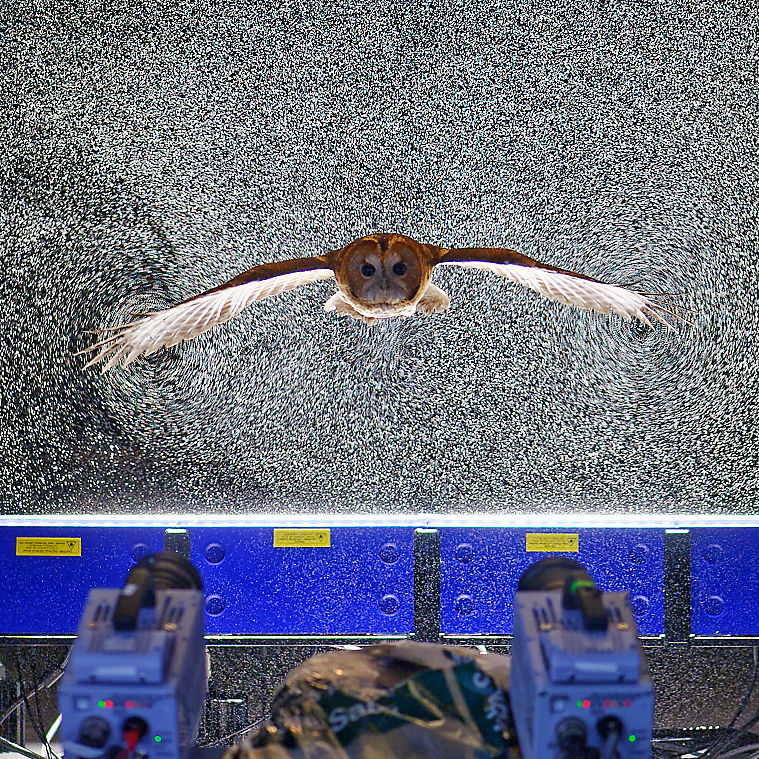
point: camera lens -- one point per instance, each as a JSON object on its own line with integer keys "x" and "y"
{"x": 171, "y": 571}
{"x": 552, "y": 574}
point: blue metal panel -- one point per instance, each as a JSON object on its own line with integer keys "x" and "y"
{"x": 725, "y": 581}
{"x": 47, "y": 594}
{"x": 362, "y": 584}
{"x": 480, "y": 570}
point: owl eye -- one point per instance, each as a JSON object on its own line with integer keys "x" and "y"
{"x": 399, "y": 269}
{"x": 367, "y": 270}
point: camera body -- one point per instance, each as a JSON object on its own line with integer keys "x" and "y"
{"x": 136, "y": 681}
{"x": 580, "y": 687}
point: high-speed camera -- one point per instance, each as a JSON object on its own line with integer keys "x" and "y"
{"x": 137, "y": 677}
{"x": 580, "y": 687}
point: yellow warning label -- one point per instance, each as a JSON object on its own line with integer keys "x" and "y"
{"x": 48, "y": 546}
{"x": 296, "y": 538}
{"x": 553, "y": 541}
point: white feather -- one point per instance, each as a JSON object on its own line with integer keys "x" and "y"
{"x": 188, "y": 319}
{"x": 575, "y": 291}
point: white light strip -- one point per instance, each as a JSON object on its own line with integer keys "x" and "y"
{"x": 562, "y": 521}
{"x": 54, "y": 728}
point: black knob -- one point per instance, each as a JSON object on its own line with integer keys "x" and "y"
{"x": 572, "y": 735}
{"x": 608, "y": 725}
{"x": 136, "y": 725}
{"x": 94, "y": 732}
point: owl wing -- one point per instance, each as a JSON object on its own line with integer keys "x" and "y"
{"x": 198, "y": 314}
{"x": 559, "y": 284}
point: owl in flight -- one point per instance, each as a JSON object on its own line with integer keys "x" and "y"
{"x": 378, "y": 277}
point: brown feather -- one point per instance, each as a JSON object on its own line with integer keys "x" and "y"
{"x": 267, "y": 271}
{"x": 499, "y": 256}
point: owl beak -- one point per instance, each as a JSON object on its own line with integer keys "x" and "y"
{"x": 384, "y": 286}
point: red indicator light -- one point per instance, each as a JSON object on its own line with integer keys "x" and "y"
{"x": 108, "y": 704}
{"x": 586, "y": 704}
{"x": 607, "y": 703}
{"x": 129, "y": 704}
{"x": 628, "y": 702}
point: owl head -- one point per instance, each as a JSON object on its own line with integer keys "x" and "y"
{"x": 381, "y": 272}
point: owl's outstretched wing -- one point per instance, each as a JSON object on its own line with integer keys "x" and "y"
{"x": 560, "y": 284}
{"x": 191, "y": 317}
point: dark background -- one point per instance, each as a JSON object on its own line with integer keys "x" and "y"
{"x": 154, "y": 150}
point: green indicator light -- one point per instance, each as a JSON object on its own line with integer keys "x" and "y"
{"x": 631, "y": 739}
{"x": 157, "y": 739}
{"x": 581, "y": 584}
{"x": 579, "y": 704}
{"x": 101, "y": 704}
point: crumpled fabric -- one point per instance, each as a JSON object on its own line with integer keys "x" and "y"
{"x": 410, "y": 700}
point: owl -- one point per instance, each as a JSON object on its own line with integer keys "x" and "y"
{"x": 380, "y": 276}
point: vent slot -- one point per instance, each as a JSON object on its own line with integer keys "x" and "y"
{"x": 103, "y": 613}
{"x": 164, "y": 617}
{"x": 173, "y": 613}
{"x": 544, "y": 617}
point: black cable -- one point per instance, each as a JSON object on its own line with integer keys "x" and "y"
{"x": 673, "y": 744}
{"x": 48, "y": 682}
{"x": 747, "y": 697}
{"x": 38, "y": 726}
{"x": 741, "y": 737}
{"x": 36, "y": 697}
{"x": 720, "y": 746}
{"x": 24, "y": 696}
{"x": 743, "y": 734}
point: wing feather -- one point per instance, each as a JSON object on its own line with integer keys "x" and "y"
{"x": 574, "y": 289}
{"x": 196, "y": 315}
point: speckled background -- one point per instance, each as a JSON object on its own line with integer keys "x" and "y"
{"x": 151, "y": 153}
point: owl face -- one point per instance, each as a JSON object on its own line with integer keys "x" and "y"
{"x": 383, "y": 275}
